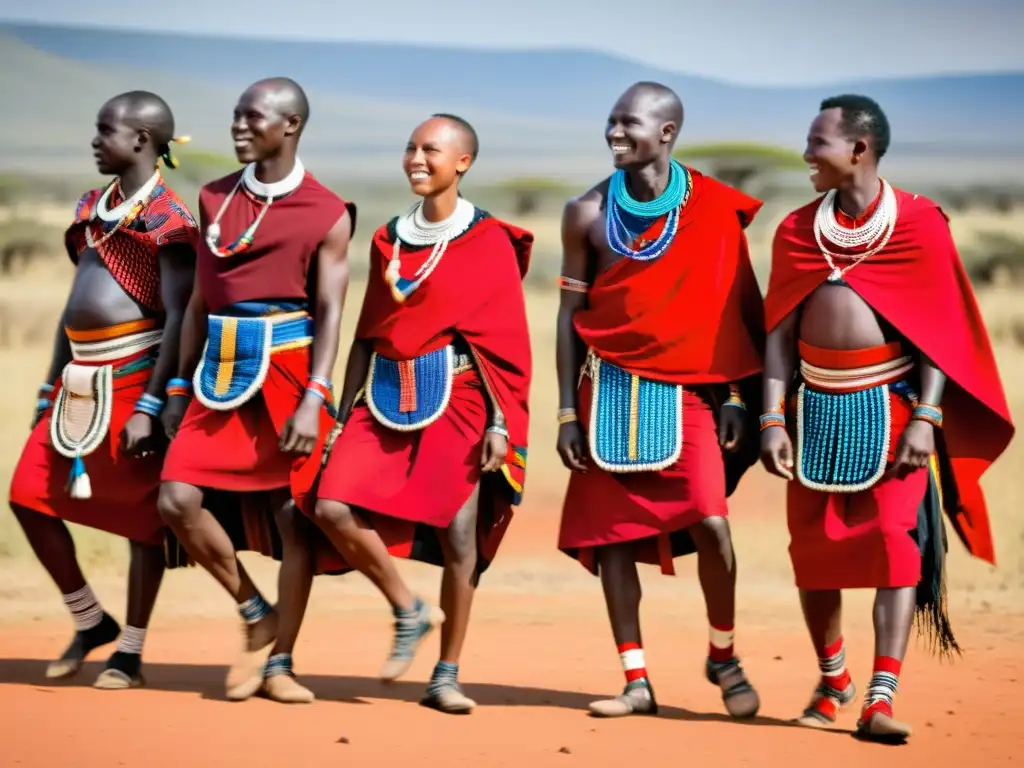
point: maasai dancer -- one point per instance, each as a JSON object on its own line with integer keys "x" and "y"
{"x": 879, "y": 364}
{"x": 133, "y": 246}
{"x": 432, "y": 456}
{"x": 659, "y": 338}
{"x": 259, "y": 342}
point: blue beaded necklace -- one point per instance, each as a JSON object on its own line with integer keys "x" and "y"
{"x": 627, "y": 218}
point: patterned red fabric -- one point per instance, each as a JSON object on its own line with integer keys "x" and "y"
{"x": 130, "y": 254}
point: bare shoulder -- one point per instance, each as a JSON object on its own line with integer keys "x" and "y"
{"x": 583, "y": 210}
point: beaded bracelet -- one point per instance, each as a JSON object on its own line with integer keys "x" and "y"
{"x": 498, "y": 429}
{"x": 566, "y": 416}
{"x": 151, "y": 405}
{"x": 321, "y": 388}
{"x": 43, "y": 403}
{"x": 929, "y": 413}
{"x": 572, "y": 284}
{"x": 735, "y": 398}
{"x": 179, "y": 388}
{"x": 772, "y": 419}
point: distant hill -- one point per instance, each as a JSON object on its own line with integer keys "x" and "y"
{"x": 537, "y": 112}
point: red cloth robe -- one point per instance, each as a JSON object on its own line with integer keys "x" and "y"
{"x": 412, "y": 483}
{"x": 124, "y": 490}
{"x": 694, "y": 317}
{"x": 918, "y": 285}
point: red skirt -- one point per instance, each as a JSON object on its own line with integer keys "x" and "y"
{"x": 412, "y": 483}
{"x": 652, "y": 509}
{"x": 864, "y": 539}
{"x": 124, "y": 488}
{"x": 238, "y": 450}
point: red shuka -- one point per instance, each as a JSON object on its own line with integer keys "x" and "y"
{"x": 412, "y": 480}
{"x": 238, "y": 450}
{"x": 694, "y": 317}
{"x": 917, "y": 283}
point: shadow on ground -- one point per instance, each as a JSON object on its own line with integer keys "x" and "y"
{"x": 208, "y": 682}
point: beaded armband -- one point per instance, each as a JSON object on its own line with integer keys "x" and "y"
{"x": 43, "y": 400}
{"x": 566, "y": 416}
{"x": 322, "y": 388}
{"x": 572, "y": 284}
{"x": 151, "y": 405}
{"x": 179, "y": 388}
{"x": 735, "y": 398}
{"x": 929, "y": 413}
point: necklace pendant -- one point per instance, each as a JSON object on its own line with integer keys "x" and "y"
{"x": 836, "y": 275}
{"x": 213, "y": 232}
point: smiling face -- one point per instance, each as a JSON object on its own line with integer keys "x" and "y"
{"x": 261, "y": 125}
{"x": 830, "y": 154}
{"x": 116, "y": 144}
{"x": 637, "y": 132}
{"x": 435, "y": 157}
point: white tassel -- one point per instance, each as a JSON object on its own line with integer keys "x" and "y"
{"x": 79, "y": 485}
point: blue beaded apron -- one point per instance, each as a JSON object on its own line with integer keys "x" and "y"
{"x": 842, "y": 440}
{"x": 409, "y": 395}
{"x": 237, "y": 354}
{"x": 636, "y": 424}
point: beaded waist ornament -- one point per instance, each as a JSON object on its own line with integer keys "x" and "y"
{"x": 626, "y": 218}
{"x": 408, "y": 395}
{"x": 844, "y": 424}
{"x": 83, "y": 407}
{"x": 238, "y": 349}
{"x": 636, "y": 424}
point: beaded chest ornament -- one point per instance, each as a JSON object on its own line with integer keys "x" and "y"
{"x": 626, "y": 218}
{"x": 414, "y": 230}
{"x": 874, "y": 234}
{"x": 259, "y": 189}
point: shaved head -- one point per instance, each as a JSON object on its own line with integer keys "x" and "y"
{"x": 660, "y": 100}
{"x": 469, "y": 141}
{"x": 146, "y": 111}
{"x": 283, "y": 96}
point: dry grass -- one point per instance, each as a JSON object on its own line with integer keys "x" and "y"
{"x": 30, "y": 304}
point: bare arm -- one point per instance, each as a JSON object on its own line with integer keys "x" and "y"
{"x": 779, "y": 362}
{"x": 355, "y": 376}
{"x": 61, "y": 354}
{"x": 933, "y": 382}
{"x": 569, "y": 349}
{"x": 193, "y": 332}
{"x": 331, "y": 288}
{"x": 177, "y": 270}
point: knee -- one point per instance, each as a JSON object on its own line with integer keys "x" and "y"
{"x": 712, "y": 533}
{"x": 291, "y": 523}
{"x": 335, "y": 515}
{"x": 177, "y": 503}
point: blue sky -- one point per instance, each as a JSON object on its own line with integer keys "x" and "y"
{"x": 746, "y": 41}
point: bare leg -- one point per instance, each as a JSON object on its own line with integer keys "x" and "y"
{"x": 145, "y": 573}
{"x": 622, "y": 595}
{"x": 363, "y": 549}
{"x": 893, "y": 618}
{"x": 716, "y": 569}
{"x": 51, "y": 541}
{"x": 181, "y": 506}
{"x": 294, "y": 581}
{"x": 823, "y": 614}
{"x": 458, "y": 586}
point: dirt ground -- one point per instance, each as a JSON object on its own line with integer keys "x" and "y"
{"x": 539, "y": 649}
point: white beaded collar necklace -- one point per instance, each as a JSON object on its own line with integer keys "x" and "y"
{"x": 141, "y": 197}
{"x": 875, "y": 232}
{"x": 267, "y": 191}
{"x": 414, "y": 229}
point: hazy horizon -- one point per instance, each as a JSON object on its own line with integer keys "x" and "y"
{"x": 772, "y": 44}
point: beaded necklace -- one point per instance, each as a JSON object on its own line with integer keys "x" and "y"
{"x": 414, "y": 229}
{"x": 124, "y": 214}
{"x": 876, "y": 230}
{"x": 269, "y": 192}
{"x": 626, "y": 218}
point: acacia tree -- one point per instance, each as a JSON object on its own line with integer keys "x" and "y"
{"x": 739, "y": 164}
